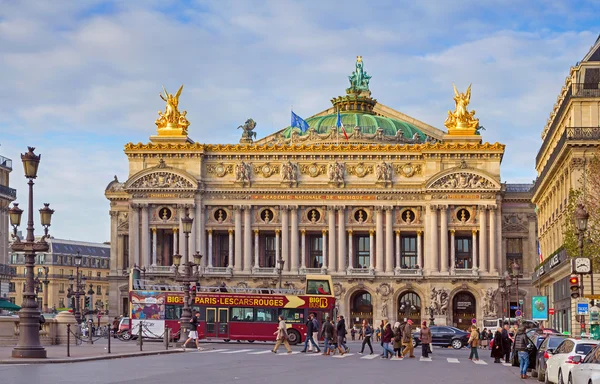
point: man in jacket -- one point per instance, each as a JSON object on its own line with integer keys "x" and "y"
{"x": 506, "y": 343}
{"x": 521, "y": 344}
{"x": 426, "y": 338}
{"x": 310, "y": 328}
{"x": 327, "y": 332}
{"x": 407, "y": 341}
{"x": 316, "y": 327}
{"x": 367, "y": 331}
{"x": 341, "y": 333}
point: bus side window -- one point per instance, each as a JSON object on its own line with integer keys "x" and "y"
{"x": 241, "y": 314}
{"x": 266, "y": 315}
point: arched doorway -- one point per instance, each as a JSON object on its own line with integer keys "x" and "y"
{"x": 464, "y": 309}
{"x": 361, "y": 308}
{"x": 409, "y": 307}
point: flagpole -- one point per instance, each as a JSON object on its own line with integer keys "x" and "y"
{"x": 292, "y": 128}
{"x": 337, "y": 129}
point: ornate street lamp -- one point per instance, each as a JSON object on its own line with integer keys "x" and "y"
{"x": 516, "y": 269}
{"x": 79, "y": 289}
{"x": 280, "y": 264}
{"x": 431, "y": 315}
{"x": 581, "y": 221}
{"x": 29, "y": 345}
{"x": 406, "y": 307}
{"x": 188, "y": 276}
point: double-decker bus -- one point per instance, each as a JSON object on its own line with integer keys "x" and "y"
{"x": 230, "y": 313}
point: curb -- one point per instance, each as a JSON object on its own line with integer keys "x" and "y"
{"x": 88, "y": 358}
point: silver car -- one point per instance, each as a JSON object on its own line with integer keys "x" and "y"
{"x": 586, "y": 370}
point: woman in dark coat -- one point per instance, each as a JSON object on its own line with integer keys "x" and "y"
{"x": 497, "y": 351}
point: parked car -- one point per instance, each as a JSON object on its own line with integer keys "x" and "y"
{"x": 124, "y": 326}
{"x": 586, "y": 370}
{"x": 444, "y": 336}
{"x": 544, "y": 352}
{"x": 560, "y": 363}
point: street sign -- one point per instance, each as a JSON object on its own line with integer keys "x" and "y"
{"x": 582, "y": 308}
{"x": 551, "y": 311}
{"x": 518, "y": 313}
{"x": 520, "y": 301}
{"x": 473, "y": 321}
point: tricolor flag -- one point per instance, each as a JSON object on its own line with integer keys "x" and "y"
{"x": 340, "y": 124}
{"x": 540, "y": 253}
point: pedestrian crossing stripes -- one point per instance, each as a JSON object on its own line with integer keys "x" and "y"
{"x": 452, "y": 360}
{"x": 213, "y": 351}
{"x": 480, "y": 362}
{"x": 260, "y": 352}
{"x": 425, "y": 358}
{"x": 507, "y": 364}
{"x": 370, "y": 357}
{"x": 343, "y": 356}
{"x": 239, "y": 351}
{"x": 293, "y": 353}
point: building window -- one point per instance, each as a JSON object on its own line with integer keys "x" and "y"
{"x": 61, "y": 272}
{"x": 363, "y": 254}
{"x": 11, "y": 287}
{"x": 14, "y": 258}
{"x": 71, "y": 272}
{"x": 408, "y": 255}
{"x": 99, "y": 290}
{"x": 40, "y": 259}
{"x": 221, "y": 250}
{"x": 61, "y": 288}
{"x": 40, "y": 271}
{"x": 61, "y": 302}
{"x": 464, "y": 259}
{"x": 97, "y": 274}
{"x": 315, "y": 257}
{"x": 90, "y": 274}
{"x": 269, "y": 252}
{"x": 514, "y": 251}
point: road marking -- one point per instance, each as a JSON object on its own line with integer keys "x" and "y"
{"x": 452, "y": 360}
{"x": 212, "y": 351}
{"x": 238, "y": 351}
{"x": 260, "y": 353}
{"x": 344, "y": 355}
{"x": 480, "y": 362}
{"x": 293, "y": 353}
{"x": 370, "y": 357}
{"x": 424, "y": 358}
{"x": 507, "y": 364}
{"x": 313, "y": 354}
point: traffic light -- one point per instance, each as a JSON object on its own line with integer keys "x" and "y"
{"x": 89, "y": 299}
{"x": 574, "y": 286}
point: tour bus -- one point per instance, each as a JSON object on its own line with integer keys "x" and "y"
{"x": 231, "y": 313}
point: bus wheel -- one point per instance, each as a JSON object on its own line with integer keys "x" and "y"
{"x": 227, "y": 340}
{"x": 294, "y": 337}
{"x": 251, "y": 341}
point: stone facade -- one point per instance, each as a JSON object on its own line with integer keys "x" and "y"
{"x": 7, "y": 195}
{"x": 401, "y": 223}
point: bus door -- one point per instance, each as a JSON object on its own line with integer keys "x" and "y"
{"x": 223, "y": 322}
{"x": 211, "y": 317}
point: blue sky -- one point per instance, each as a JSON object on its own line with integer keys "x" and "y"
{"x": 81, "y": 78}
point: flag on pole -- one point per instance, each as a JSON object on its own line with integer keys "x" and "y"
{"x": 340, "y": 124}
{"x": 299, "y": 122}
{"x": 540, "y": 253}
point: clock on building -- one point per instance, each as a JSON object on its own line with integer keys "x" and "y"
{"x": 582, "y": 265}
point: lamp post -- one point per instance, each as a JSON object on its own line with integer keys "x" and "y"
{"x": 280, "y": 264}
{"x": 188, "y": 276}
{"x": 431, "y": 315}
{"x": 90, "y": 293}
{"x": 46, "y": 282}
{"x": 581, "y": 221}
{"x": 503, "y": 291}
{"x": 515, "y": 277}
{"x": 29, "y": 345}
{"x": 406, "y": 307}
{"x": 78, "y": 289}
{"x": 508, "y": 283}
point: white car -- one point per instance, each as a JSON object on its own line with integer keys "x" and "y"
{"x": 561, "y": 362}
{"x": 588, "y": 369}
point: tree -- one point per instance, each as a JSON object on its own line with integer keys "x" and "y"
{"x": 589, "y": 196}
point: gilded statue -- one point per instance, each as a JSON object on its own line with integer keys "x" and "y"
{"x": 171, "y": 121}
{"x": 461, "y": 119}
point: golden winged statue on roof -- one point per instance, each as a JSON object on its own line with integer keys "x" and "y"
{"x": 171, "y": 119}
{"x": 461, "y": 119}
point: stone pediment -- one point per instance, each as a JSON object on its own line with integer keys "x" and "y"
{"x": 463, "y": 179}
{"x": 161, "y": 177}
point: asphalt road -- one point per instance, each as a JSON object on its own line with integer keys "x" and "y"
{"x": 253, "y": 363}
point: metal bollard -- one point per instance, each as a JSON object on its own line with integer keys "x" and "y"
{"x": 140, "y": 337}
{"x": 90, "y": 333}
{"x": 109, "y": 326}
{"x": 68, "y": 340}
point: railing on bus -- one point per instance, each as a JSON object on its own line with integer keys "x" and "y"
{"x": 149, "y": 285}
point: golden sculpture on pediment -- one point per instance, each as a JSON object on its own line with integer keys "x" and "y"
{"x": 461, "y": 121}
{"x": 171, "y": 122}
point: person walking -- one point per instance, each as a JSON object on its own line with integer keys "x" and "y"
{"x": 341, "y": 334}
{"x": 407, "y": 340}
{"x": 353, "y": 333}
{"x": 474, "y": 343}
{"x": 484, "y": 339}
{"x": 425, "y": 337}
{"x": 282, "y": 336}
{"x": 521, "y": 347}
{"x": 310, "y": 328}
{"x": 367, "y": 331}
{"x": 327, "y": 333}
{"x": 315, "y": 338}
{"x": 193, "y": 334}
{"x": 397, "y": 340}
{"x": 360, "y": 334}
{"x": 386, "y": 339}
{"x": 115, "y": 327}
{"x": 506, "y": 343}
{"x": 497, "y": 346}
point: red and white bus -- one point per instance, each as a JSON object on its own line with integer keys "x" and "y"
{"x": 231, "y": 313}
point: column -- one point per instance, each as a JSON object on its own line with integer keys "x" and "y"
{"x": 285, "y": 237}
{"x": 350, "y": 250}
{"x": 247, "y": 239}
{"x": 398, "y": 247}
{"x": 114, "y": 238}
{"x": 176, "y": 240}
{"x": 324, "y": 232}
{"x": 230, "y": 255}
{"x": 371, "y": 249}
{"x": 444, "y": 238}
{"x": 294, "y": 240}
{"x": 237, "y": 264}
{"x": 452, "y": 250}
{"x": 153, "y": 246}
{"x": 483, "y": 262}
{"x": 133, "y": 231}
{"x": 389, "y": 240}
{"x": 256, "y": 261}
{"x": 120, "y": 264}
{"x": 210, "y": 249}
{"x": 182, "y": 245}
{"x": 500, "y": 256}
{"x": 199, "y": 220}
{"x": 192, "y": 243}
{"x": 435, "y": 251}
{"x": 277, "y": 248}
{"x": 379, "y": 238}
{"x": 341, "y": 239}
{"x": 428, "y": 259}
{"x": 493, "y": 240}
{"x": 303, "y": 251}
{"x": 474, "y": 247}
{"x": 420, "y": 248}
{"x": 332, "y": 255}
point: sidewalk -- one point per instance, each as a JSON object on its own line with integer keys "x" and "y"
{"x": 87, "y": 352}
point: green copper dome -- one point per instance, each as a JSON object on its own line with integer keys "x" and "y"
{"x": 368, "y": 125}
